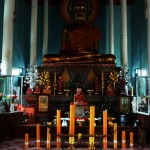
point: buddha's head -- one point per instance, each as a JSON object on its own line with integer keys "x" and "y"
{"x": 79, "y": 90}
{"x": 80, "y": 12}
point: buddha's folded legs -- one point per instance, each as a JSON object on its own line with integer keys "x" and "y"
{"x": 90, "y": 58}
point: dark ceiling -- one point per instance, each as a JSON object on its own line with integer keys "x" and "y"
{"x": 101, "y": 2}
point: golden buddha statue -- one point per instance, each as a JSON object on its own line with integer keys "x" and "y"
{"x": 80, "y": 39}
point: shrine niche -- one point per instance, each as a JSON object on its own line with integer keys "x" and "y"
{"x": 79, "y": 63}
{"x": 96, "y": 79}
{"x": 79, "y": 60}
{"x": 80, "y": 38}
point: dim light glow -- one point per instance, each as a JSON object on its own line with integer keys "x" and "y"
{"x": 143, "y": 72}
{"x": 15, "y": 71}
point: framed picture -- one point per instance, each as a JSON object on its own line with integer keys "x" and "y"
{"x": 43, "y": 103}
{"x": 125, "y": 105}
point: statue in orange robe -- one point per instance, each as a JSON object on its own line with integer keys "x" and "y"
{"x": 80, "y": 39}
{"x": 79, "y": 97}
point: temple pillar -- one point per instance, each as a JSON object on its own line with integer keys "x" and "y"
{"x": 124, "y": 44}
{"x": 148, "y": 34}
{"x": 33, "y": 36}
{"x": 111, "y": 27}
{"x": 45, "y": 29}
{"x": 7, "y": 45}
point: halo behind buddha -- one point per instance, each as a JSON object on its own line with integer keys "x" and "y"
{"x": 67, "y": 10}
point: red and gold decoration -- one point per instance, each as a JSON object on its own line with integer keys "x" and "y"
{"x": 114, "y": 77}
{"x": 91, "y": 77}
{"x": 66, "y": 78}
{"x": 44, "y": 81}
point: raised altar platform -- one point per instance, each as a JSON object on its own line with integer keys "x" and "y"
{"x": 17, "y": 130}
{"x": 62, "y": 102}
{"x": 94, "y": 78}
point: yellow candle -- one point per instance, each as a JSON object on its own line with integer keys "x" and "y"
{"x": 48, "y": 135}
{"x": 72, "y": 123}
{"x": 131, "y": 139}
{"x": 123, "y": 139}
{"x": 58, "y": 128}
{"x": 115, "y": 135}
{"x": 26, "y": 140}
{"x": 38, "y": 135}
{"x": 105, "y": 128}
{"x": 92, "y": 121}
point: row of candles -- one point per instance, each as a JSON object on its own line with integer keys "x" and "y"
{"x": 72, "y": 131}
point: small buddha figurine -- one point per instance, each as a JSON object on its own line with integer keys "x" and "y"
{"x": 60, "y": 83}
{"x": 80, "y": 39}
{"x": 110, "y": 90}
{"x": 79, "y": 97}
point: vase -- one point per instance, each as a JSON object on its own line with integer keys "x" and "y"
{"x": 12, "y": 107}
{"x": 122, "y": 119}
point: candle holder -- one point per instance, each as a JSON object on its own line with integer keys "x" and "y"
{"x": 71, "y": 146}
{"x": 54, "y": 121}
{"x": 64, "y": 121}
{"x": 67, "y": 91}
{"x": 59, "y": 92}
{"x": 80, "y": 122}
{"x": 55, "y": 88}
{"x": 110, "y": 120}
{"x": 90, "y": 92}
{"x": 91, "y": 147}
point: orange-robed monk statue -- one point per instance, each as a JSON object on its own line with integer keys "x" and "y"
{"x": 80, "y": 40}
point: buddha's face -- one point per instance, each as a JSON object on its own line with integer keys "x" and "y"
{"x": 79, "y": 90}
{"x": 80, "y": 12}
